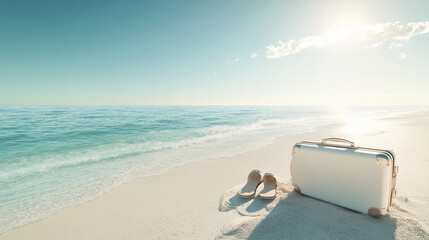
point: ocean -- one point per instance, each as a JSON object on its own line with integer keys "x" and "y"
{"x": 53, "y": 157}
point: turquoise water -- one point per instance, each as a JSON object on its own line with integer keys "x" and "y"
{"x": 56, "y": 157}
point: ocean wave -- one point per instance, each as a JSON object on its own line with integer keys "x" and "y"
{"x": 114, "y": 151}
{"x": 14, "y": 137}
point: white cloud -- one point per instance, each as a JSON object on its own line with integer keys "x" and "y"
{"x": 233, "y": 60}
{"x": 292, "y": 46}
{"x": 253, "y": 55}
{"x": 372, "y": 36}
{"x": 402, "y": 56}
{"x": 395, "y": 45}
{"x": 394, "y": 31}
{"x": 215, "y": 73}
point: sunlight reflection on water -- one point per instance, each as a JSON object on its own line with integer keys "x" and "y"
{"x": 360, "y": 125}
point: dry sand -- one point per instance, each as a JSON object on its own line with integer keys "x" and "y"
{"x": 199, "y": 201}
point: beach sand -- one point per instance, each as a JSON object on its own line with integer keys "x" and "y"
{"x": 199, "y": 201}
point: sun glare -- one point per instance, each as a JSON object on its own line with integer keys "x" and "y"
{"x": 343, "y": 25}
{"x": 347, "y": 21}
{"x": 361, "y": 126}
{"x": 347, "y": 17}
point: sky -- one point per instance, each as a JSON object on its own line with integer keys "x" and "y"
{"x": 214, "y": 52}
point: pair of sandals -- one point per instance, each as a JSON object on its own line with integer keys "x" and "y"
{"x": 254, "y": 180}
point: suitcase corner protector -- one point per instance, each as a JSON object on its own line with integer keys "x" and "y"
{"x": 296, "y": 148}
{"x": 296, "y": 188}
{"x": 377, "y": 212}
{"x": 382, "y": 159}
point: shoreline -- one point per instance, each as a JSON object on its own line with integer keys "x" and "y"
{"x": 183, "y": 202}
{"x": 225, "y": 160}
{"x": 255, "y": 145}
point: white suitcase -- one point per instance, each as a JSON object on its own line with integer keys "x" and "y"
{"x": 358, "y": 178}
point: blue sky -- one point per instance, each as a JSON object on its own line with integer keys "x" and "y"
{"x": 200, "y": 52}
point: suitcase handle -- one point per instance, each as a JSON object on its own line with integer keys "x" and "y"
{"x": 352, "y": 144}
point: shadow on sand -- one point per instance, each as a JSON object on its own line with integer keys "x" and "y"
{"x": 294, "y": 216}
{"x": 301, "y": 217}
